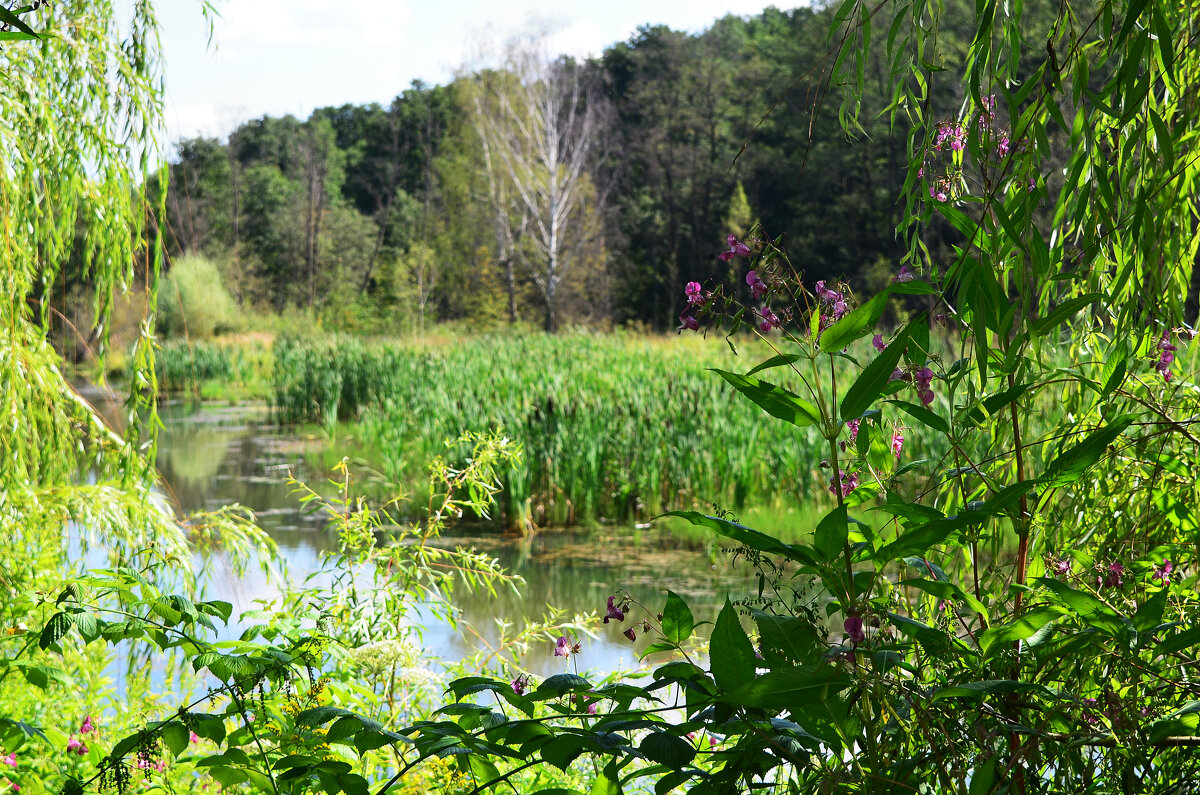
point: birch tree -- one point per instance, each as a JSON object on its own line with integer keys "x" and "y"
{"x": 541, "y": 126}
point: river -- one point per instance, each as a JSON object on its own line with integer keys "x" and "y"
{"x": 213, "y": 456}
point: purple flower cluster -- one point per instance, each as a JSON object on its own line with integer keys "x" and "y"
{"x": 736, "y": 249}
{"x": 903, "y": 275}
{"x": 922, "y": 379}
{"x": 694, "y": 293}
{"x": 849, "y": 483}
{"x": 1166, "y": 355}
{"x": 897, "y": 443}
{"x": 950, "y": 135}
{"x": 854, "y": 630}
{"x": 1163, "y": 573}
{"x": 614, "y": 612}
{"x": 565, "y": 648}
{"x": 769, "y": 320}
{"x": 1112, "y": 575}
{"x": 832, "y": 300}
{"x": 758, "y": 288}
{"x": 521, "y": 683}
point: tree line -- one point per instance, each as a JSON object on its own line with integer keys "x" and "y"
{"x": 553, "y": 191}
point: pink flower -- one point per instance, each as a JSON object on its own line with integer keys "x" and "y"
{"x": 1112, "y": 576}
{"x": 10, "y": 760}
{"x": 924, "y": 377}
{"x": 769, "y": 320}
{"x": 614, "y": 611}
{"x": 1060, "y": 566}
{"x": 903, "y": 275}
{"x": 849, "y": 483}
{"x": 897, "y": 443}
{"x": 519, "y": 684}
{"x": 193, "y": 737}
{"x": 86, "y": 726}
{"x": 878, "y": 342}
{"x": 76, "y": 746}
{"x": 1166, "y": 356}
{"x": 854, "y": 630}
{"x": 758, "y": 288}
{"x": 565, "y": 648}
{"x": 686, "y": 320}
{"x": 694, "y": 293}
{"x": 1163, "y": 572}
{"x": 853, "y": 426}
{"x": 736, "y": 249}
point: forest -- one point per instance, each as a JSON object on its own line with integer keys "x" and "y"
{"x": 383, "y": 218}
{"x": 804, "y": 405}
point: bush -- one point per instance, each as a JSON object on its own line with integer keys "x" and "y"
{"x": 193, "y": 300}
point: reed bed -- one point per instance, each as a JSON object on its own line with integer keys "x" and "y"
{"x": 614, "y": 427}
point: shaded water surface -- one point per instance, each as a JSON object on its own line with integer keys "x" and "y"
{"x": 215, "y": 456}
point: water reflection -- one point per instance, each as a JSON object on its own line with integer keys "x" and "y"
{"x": 215, "y": 456}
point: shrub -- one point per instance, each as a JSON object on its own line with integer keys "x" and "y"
{"x": 193, "y": 300}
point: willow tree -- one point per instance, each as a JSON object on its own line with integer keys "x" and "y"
{"x": 80, "y": 105}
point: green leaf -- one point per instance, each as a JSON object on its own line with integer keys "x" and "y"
{"x": 563, "y": 750}
{"x": 608, "y": 782}
{"x": 732, "y": 657}
{"x": 1064, "y": 312}
{"x": 55, "y": 630}
{"x": 775, "y": 400}
{"x": 667, "y": 749}
{"x": 793, "y": 638}
{"x": 560, "y": 684}
{"x": 875, "y": 376}
{"x": 677, "y": 621}
{"x": 832, "y": 532}
{"x": 1072, "y": 463}
{"x": 1020, "y": 628}
{"x": 779, "y": 360}
{"x": 790, "y": 688}
{"x": 747, "y": 536}
{"x": 922, "y": 415}
{"x": 1093, "y": 611}
{"x": 1149, "y": 614}
{"x": 176, "y": 736}
{"x": 990, "y": 687}
{"x": 10, "y": 18}
{"x": 855, "y": 324}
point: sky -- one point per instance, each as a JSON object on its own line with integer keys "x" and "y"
{"x": 274, "y": 57}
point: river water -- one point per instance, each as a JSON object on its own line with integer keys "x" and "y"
{"x": 214, "y": 456}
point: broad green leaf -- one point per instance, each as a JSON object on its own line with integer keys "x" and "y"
{"x": 732, "y": 657}
{"x": 790, "y": 687}
{"x": 922, "y": 415}
{"x": 667, "y": 749}
{"x": 875, "y": 376}
{"x": 1090, "y": 609}
{"x": 1064, "y": 311}
{"x": 831, "y": 535}
{"x": 775, "y": 400}
{"x": 677, "y": 621}
{"x": 559, "y": 684}
{"x": 855, "y": 324}
{"x": 1020, "y": 628}
{"x": 176, "y": 736}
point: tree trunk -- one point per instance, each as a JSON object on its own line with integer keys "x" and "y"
{"x": 511, "y": 283}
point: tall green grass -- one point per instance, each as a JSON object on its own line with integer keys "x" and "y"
{"x": 212, "y": 369}
{"x": 614, "y": 427}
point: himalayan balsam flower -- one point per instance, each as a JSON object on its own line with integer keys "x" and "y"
{"x": 10, "y": 760}
{"x": 833, "y": 300}
{"x": 854, "y": 630}
{"x": 520, "y": 684}
{"x": 76, "y": 746}
{"x": 758, "y": 288}
{"x": 1166, "y": 356}
{"x": 924, "y": 377}
{"x": 629, "y": 633}
{"x": 565, "y": 648}
{"x": 86, "y": 726}
{"x": 769, "y": 320}
{"x": 686, "y": 320}
{"x": 614, "y": 611}
{"x": 1112, "y": 576}
{"x": 903, "y": 275}
{"x": 878, "y": 342}
{"x": 193, "y": 738}
{"x": 849, "y": 483}
{"x": 1060, "y": 566}
{"x": 694, "y": 293}
{"x": 1163, "y": 573}
{"x": 897, "y": 443}
{"x": 853, "y": 426}
{"x": 736, "y": 249}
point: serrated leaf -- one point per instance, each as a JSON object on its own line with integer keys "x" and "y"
{"x": 667, "y": 749}
{"x": 677, "y": 621}
{"x": 855, "y": 324}
{"x": 832, "y": 532}
{"x": 775, "y": 400}
{"x": 1070, "y": 465}
{"x": 871, "y": 382}
{"x": 732, "y": 657}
